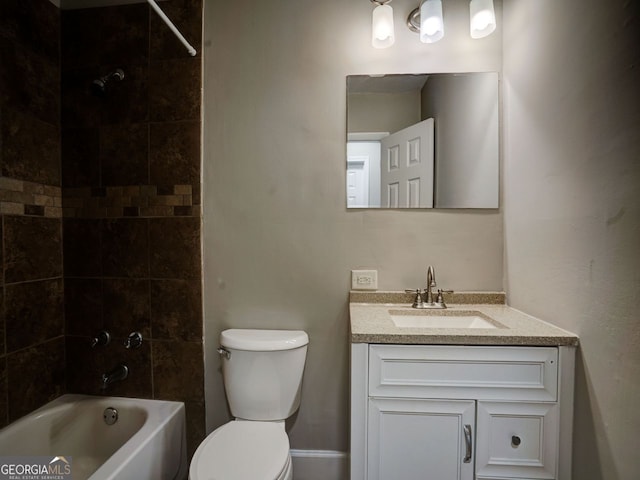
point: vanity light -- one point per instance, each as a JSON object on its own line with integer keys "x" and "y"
{"x": 483, "y": 18}
{"x": 427, "y": 20}
{"x": 382, "y": 32}
{"x": 431, "y": 21}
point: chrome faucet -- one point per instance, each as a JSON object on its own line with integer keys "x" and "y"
{"x": 117, "y": 374}
{"x": 425, "y": 299}
{"x": 431, "y": 283}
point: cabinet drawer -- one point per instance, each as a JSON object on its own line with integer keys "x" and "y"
{"x": 482, "y": 373}
{"x": 516, "y": 440}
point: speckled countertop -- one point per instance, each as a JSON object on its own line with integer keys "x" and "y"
{"x": 371, "y": 322}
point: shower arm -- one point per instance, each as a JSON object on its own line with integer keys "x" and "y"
{"x": 190, "y": 49}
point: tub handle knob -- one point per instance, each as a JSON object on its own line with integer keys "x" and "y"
{"x": 134, "y": 340}
{"x": 103, "y": 338}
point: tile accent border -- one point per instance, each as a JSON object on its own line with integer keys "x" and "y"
{"x": 19, "y": 197}
{"x": 130, "y": 201}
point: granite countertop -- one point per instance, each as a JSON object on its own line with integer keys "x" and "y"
{"x": 371, "y": 322}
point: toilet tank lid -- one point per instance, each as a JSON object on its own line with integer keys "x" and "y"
{"x": 263, "y": 340}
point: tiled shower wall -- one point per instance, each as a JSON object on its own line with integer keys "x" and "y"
{"x": 32, "y": 344}
{"x": 124, "y": 172}
{"x": 131, "y": 198}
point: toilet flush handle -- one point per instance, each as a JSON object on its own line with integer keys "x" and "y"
{"x": 225, "y": 352}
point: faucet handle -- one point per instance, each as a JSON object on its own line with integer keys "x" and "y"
{"x": 103, "y": 338}
{"x": 418, "y": 302}
{"x": 439, "y": 298}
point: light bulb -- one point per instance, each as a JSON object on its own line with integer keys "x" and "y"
{"x": 483, "y": 18}
{"x": 431, "y": 21}
{"x": 382, "y": 31}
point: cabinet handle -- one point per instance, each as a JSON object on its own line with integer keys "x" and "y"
{"x": 469, "y": 442}
{"x": 515, "y": 441}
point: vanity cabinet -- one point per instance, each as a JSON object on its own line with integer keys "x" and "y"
{"x": 461, "y": 412}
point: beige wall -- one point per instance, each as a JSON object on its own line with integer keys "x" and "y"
{"x": 572, "y": 205}
{"x": 382, "y": 112}
{"x": 279, "y": 242}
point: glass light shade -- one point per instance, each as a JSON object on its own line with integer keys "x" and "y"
{"x": 483, "y": 18}
{"x": 431, "y": 21}
{"x": 382, "y": 31}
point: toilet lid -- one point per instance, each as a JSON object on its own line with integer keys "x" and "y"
{"x": 241, "y": 450}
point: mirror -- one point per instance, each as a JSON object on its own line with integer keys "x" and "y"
{"x": 423, "y": 141}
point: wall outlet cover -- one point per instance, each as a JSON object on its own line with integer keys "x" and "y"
{"x": 364, "y": 279}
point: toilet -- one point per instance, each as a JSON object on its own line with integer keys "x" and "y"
{"x": 262, "y": 372}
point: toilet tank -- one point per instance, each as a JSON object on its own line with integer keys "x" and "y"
{"x": 263, "y": 372}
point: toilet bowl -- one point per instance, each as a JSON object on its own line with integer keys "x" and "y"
{"x": 262, "y": 372}
{"x": 241, "y": 450}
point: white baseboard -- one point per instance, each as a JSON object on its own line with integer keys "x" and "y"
{"x": 320, "y": 465}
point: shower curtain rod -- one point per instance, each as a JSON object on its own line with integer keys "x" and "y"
{"x": 190, "y": 49}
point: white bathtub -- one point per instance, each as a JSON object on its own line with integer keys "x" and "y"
{"x": 147, "y": 442}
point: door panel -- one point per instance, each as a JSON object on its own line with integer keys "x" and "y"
{"x": 407, "y": 165}
{"x": 414, "y": 439}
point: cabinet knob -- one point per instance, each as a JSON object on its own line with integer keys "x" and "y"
{"x": 515, "y": 441}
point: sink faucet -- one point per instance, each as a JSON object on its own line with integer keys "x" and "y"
{"x": 425, "y": 299}
{"x": 117, "y": 374}
{"x": 431, "y": 283}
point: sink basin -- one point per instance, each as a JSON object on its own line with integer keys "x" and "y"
{"x": 440, "y": 319}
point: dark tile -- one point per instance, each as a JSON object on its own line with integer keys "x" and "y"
{"x": 82, "y": 253}
{"x": 125, "y": 248}
{"x": 1, "y": 250}
{"x": 171, "y": 359}
{"x": 34, "y": 313}
{"x": 80, "y": 160}
{"x": 35, "y": 376}
{"x": 29, "y": 83}
{"x": 85, "y": 365}
{"x": 80, "y": 37}
{"x": 174, "y": 90}
{"x": 30, "y": 148}
{"x": 4, "y": 408}
{"x": 176, "y": 310}
{"x": 124, "y": 154}
{"x": 126, "y": 307}
{"x": 124, "y": 35}
{"x": 32, "y": 247}
{"x": 83, "y": 306}
{"x": 33, "y": 24}
{"x": 2, "y": 324}
{"x": 126, "y": 101}
{"x": 196, "y": 428}
{"x": 79, "y": 107}
{"x": 174, "y": 153}
{"x": 174, "y": 247}
{"x": 188, "y": 15}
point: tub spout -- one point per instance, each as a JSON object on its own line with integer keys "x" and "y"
{"x": 117, "y": 374}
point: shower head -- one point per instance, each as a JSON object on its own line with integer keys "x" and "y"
{"x": 99, "y": 85}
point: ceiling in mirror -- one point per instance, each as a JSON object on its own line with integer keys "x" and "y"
{"x": 422, "y": 141}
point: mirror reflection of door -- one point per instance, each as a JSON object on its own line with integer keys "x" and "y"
{"x": 363, "y": 170}
{"x": 407, "y": 170}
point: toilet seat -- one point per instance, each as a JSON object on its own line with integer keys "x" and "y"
{"x": 242, "y": 450}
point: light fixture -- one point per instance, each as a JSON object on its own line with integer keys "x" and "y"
{"x": 483, "y": 18}
{"x": 382, "y": 31}
{"x": 427, "y": 20}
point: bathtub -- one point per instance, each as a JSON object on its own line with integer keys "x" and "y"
{"x": 147, "y": 442}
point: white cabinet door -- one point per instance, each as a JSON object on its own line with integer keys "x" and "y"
{"x": 517, "y": 440}
{"x": 414, "y": 439}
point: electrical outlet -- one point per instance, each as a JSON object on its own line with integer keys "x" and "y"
{"x": 364, "y": 279}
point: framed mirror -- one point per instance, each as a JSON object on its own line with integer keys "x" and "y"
{"x": 423, "y": 141}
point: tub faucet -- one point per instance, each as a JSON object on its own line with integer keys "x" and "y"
{"x": 117, "y": 374}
